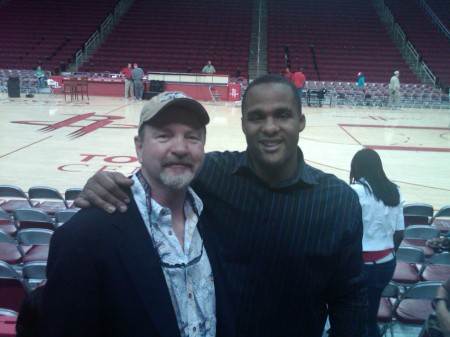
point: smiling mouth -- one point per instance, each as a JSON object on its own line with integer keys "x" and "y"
{"x": 178, "y": 165}
{"x": 271, "y": 144}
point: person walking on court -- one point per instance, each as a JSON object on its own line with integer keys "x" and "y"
{"x": 394, "y": 91}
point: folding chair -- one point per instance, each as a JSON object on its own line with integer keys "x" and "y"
{"x": 13, "y": 197}
{"x": 437, "y": 268}
{"x": 34, "y": 273}
{"x": 33, "y": 218}
{"x": 52, "y": 84}
{"x": 9, "y": 252}
{"x": 34, "y": 242}
{"x": 389, "y": 298}
{"x": 70, "y": 195}
{"x": 8, "y": 312}
{"x": 417, "y": 235}
{"x": 406, "y": 272}
{"x": 7, "y": 223}
{"x": 64, "y": 215}
{"x": 417, "y": 213}
{"x": 12, "y": 288}
{"x": 441, "y": 219}
{"x": 47, "y": 198}
{"x": 414, "y": 305}
{"x": 215, "y": 95}
{"x": 8, "y": 321}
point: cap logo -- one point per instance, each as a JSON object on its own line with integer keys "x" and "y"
{"x": 170, "y": 95}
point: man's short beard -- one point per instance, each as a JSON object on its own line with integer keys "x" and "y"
{"x": 177, "y": 182}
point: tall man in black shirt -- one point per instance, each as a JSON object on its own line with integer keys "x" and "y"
{"x": 288, "y": 235}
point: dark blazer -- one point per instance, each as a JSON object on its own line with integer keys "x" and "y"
{"x": 104, "y": 279}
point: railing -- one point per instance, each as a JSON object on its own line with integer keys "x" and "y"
{"x": 94, "y": 41}
{"x": 408, "y": 50}
{"x": 413, "y": 54}
{"x": 438, "y": 23}
{"x": 428, "y": 73}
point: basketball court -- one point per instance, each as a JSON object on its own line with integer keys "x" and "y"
{"x": 46, "y": 140}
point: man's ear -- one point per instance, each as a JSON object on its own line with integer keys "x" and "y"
{"x": 302, "y": 122}
{"x": 138, "y": 147}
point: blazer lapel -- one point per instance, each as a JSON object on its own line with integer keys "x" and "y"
{"x": 142, "y": 264}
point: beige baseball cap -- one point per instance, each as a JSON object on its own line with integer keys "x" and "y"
{"x": 168, "y": 99}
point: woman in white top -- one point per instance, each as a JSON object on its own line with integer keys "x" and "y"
{"x": 382, "y": 211}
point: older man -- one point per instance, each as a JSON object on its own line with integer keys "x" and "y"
{"x": 145, "y": 272}
{"x": 394, "y": 91}
{"x": 289, "y": 236}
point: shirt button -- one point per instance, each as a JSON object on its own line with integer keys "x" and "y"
{"x": 170, "y": 232}
{"x": 190, "y": 296}
{"x": 195, "y": 329}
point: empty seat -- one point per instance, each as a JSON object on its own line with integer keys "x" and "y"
{"x": 34, "y": 273}
{"x": 406, "y": 272}
{"x": 9, "y": 252}
{"x": 47, "y": 198}
{"x": 12, "y": 288}
{"x": 33, "y": 218}
{"x": 13, "y": 197}
{"x": 35, "y": 243}
{"x": 415, "y": 304}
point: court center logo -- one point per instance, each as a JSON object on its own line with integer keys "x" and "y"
{"x": 85, "y": 124}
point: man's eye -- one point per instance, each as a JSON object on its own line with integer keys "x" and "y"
{"x": 255, "y": 117}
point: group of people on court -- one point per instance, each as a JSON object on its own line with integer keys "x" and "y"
{"x": 134, "y": 81}
{"x": 252, "y": 243}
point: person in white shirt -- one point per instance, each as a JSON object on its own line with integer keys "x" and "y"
{"x": 382, "y": 210}
{"x": 394, "y": 91}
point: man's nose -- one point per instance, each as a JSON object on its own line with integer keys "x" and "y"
{"x": 179, "y": 146}
{"x": 270, "y": 126}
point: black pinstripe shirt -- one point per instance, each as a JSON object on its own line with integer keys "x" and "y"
{"x": 288, "y": 252}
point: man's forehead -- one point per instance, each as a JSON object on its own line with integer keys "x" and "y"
{"x": 269, "y": 94}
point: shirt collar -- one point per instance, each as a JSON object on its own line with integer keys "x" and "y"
{"x": 195, "y": 202}
{"x": 304, "y": 176}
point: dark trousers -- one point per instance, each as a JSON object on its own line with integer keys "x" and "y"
{"x": 378, "y": 276}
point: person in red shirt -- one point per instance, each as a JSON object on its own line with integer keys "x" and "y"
{"x": 129, "y": 86}
{"x": 299, "y": 80}
{"x": 288, "y": 74}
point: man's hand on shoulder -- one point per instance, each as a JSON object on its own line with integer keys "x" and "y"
{"x": 103, "y": 190}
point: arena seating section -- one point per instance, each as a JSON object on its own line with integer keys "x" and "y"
{"x": 433, "y": 46}
{"x": 172, "y": 36}
{"x": 47, "y": 32}
{"x": 348, "y": 37}
{"x": 440, "y": 8}
{"x": 24, "y": 245}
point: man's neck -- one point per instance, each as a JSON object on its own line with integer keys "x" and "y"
{"x": 274, "y": 176}
{"x": 173, "y": 199}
